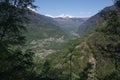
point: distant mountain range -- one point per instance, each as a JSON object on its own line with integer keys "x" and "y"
{"x": 94, "y": 56}
{"x": 42, "y": 26}
{"x": 69, "y": 24}
{"x": 46, "y": 34}
{"x": 43, "y": 36}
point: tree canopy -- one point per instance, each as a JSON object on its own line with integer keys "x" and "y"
{"x": 14, "y": 63}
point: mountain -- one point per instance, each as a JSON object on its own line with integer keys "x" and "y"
{"x": 43, "y": 37}
{"x": 62, "y": 25}
{"x": 94, "y": 56}
{"x": 92, "y": 22}
{"x": 69, "y": 24}
{"x": 40, "y": 27}
{"x": 46, "y": 35}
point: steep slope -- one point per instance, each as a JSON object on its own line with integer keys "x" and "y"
{"x": 92, "y": 22}
{"x": 92, "y": 57}
{"x": 46, "y": 35}
{"x": 41, "y": 27}
{"x": 43, "y": 37}
{"x": 66, "y": 26}
{"x": 70, "y": 25}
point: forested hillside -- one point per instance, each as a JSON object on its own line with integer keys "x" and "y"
{"x": 42, "y": 35}
{"x": 93, "y": 57}
{"x": 40, "y": 27}
{"x": 34, "y": 47}
{"x": 92, "y": 22}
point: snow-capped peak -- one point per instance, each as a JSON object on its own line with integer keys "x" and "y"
{"x": 64, "y": 16}
{"x": 34, "y": 10}
{"x": 60, "y": 16}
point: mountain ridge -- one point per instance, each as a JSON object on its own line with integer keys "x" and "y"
{"x": 66, "y": 16}
{"x": 94, "y": 56}
{"x": 93, "y": 21}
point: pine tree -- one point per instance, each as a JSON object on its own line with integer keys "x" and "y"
{"x": 14, "y": 64}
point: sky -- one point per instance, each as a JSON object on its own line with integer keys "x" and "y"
{"x": 77, "y": 8}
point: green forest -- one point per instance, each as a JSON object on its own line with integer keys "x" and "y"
{"x": 34, "y": 47}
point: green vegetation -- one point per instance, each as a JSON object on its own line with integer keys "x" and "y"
{"x": 42, "y": 36}
{"x": 70, "y": 25}
{"x": 95, "y": 56}
{"x": 14, "y": 63}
